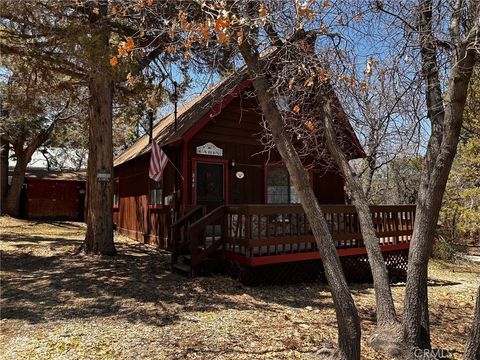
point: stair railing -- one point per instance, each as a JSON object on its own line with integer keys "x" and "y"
{"x": 200, "y": 248}
{"x": 179, "y": 230}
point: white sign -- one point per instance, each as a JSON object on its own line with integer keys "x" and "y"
{"x": 209, "y": 149}
{"x": 239, "y": 175}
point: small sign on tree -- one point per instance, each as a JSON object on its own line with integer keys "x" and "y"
{"x": 103, "y": 175}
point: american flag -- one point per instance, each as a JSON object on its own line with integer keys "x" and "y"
{"x": 158, "y": 161}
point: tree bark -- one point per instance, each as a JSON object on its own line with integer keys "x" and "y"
{"x": 12, "y": 204}
{"x": 4, "y": 152}
{"x": 99, "y": 219}
{"x": 371, "y": 162}
{"x": 99, "y": 236}
{"x": 446, "y": 117}
{"x": 472, "y": 346}
{"x": 346, "y": 312}
{"x": 24, "y": 151}
{"x": 386, "y": 314}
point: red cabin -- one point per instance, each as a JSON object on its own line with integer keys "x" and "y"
{"x": 224, "y": 202}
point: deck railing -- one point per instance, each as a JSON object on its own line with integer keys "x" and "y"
{"x": 264, "y": 230}
{"x": 255, "y": 231}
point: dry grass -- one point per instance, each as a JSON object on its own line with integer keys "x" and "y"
{"x": 55, "y": 305}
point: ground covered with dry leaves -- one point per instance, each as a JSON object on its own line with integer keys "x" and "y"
{"x": 56, "y": 305}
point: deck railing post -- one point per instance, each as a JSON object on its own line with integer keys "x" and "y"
{"x": 248, "y": 231}
{"x": 189, "y": 239}
{"x": 174, "y": 245}
{"x": 225, "y": 232}
{"x": 396, "y": 226}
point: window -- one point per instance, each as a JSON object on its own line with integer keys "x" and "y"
{"x": 209, "y": 182}
{"x": 116, "y": 193}
{"x": 279, "y": 189}
{"x": 155, "y": 193}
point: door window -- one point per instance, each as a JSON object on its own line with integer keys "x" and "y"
{"x": 209, "y": 182}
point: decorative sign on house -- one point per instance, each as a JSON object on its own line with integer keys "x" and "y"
{"x": 209, "y": 149}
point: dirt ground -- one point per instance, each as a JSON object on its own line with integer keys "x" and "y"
{"x": 55, "y": 305}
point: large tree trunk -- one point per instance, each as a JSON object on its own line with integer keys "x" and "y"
{"x": 472, "y": 346}
{"x": 12, "y": 205}
{"x": 346, "y": 312}
{"x": 386, "y": 314}
{"x": 446, "y": 116}
{"x": 4, "y": 150}
{"x": 99, "y": 219}
{"x": 99, "y": 236}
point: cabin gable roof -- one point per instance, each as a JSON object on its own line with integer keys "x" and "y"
{"x": 190, "y": 118}
{"x": 194, "y": 115}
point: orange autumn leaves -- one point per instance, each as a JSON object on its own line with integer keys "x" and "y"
{"x": 225, "y": 27}
{"x": 123, "y": 49}
{"x": 308, "y": 124}
{"x": 113, "y": 61}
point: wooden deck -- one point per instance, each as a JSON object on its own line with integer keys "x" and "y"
{"x": 258, "y": 235}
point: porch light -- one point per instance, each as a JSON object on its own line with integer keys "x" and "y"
{"x": 232, "y": 164}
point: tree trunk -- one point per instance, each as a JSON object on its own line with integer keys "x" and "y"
{"x": 386, "y": 314}
{"x": 99, "y": 219}
{"x": 446, "y": 116}
{"x": 99, "y": 236}
{"x": 346, "y": 312}
{"x": 4, "y": 150}
{"x": 12, "y": 204}
{"x": 23, "y": 152}
{"x": 371, "y": 162}
{"x": 472, "y": 346}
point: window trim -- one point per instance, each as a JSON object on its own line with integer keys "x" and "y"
{"x": 265, "y": 182}
{"x": 267, "y": 171}
{"x": 157, "y": 205}
{"x": 116, "y": 194}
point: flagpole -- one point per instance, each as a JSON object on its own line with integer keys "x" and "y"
{"x": 150, "y": 123}
{"x": 179, "y": 173}
{"x": 175, "y": 198}
{"x": 175, "y": 112}
{"x": 175, "y": 103}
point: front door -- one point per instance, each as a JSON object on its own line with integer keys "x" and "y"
{"x": 210, "y": 184}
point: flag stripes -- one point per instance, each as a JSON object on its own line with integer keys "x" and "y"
{"x": 158, "y": 161}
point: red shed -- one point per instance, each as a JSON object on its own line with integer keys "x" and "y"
{"x": 54, "y": 194}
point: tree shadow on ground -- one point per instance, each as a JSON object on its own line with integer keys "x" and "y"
{"x": 44, "y": 281}
{"x": 62, "y": 224}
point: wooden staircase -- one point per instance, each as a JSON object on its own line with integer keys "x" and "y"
{"x": 198, "y": 240}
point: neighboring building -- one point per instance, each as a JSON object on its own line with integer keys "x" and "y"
{"x": 52, "y": 194}
{"x": 223, "y": 194}
{"x": 58, "y": 195}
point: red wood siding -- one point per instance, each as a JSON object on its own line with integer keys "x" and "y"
{"x": 236, "y": 130}
{"x": 328, "y": 187}
{"x": 133, "y": 217}
{"x": 55, "y": 199}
